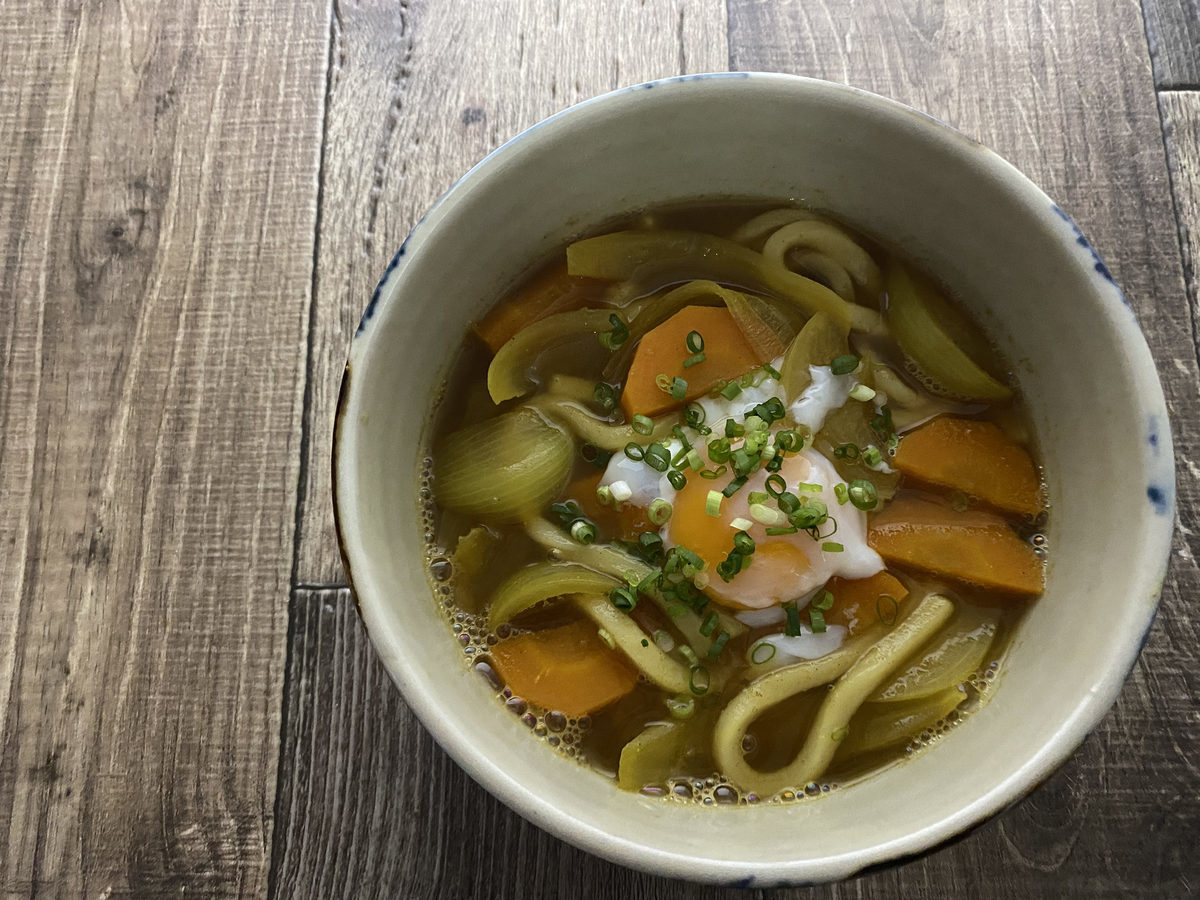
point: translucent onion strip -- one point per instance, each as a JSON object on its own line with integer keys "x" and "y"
{"x": 590, "y": 429}
{"x": 508, "y": 374}
{"x": 861, "y": 677}
{"x": 540, "y": 582}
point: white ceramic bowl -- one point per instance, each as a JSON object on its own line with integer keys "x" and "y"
{"x": 1021, "y": 264}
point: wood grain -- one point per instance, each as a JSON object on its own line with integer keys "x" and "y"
{"x": 369, "y": 805}
{"x": 157, "y": 212}
{"x": 1173, "y": 31}
{"x": 418, "y": 93}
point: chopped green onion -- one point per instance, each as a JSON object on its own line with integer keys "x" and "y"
{"x": 743, "y": 463}
{"x": 741, "y": 524}
{"x": 623, "y": 599}
{"x": 605, "y": 396}
{"x": 678, "y": 388}
{"x": 583, "y": 531}
{"x": 621, "y": 491}
{"x": 712, "y": 505}
{"x": 635, "y": 451}
{"x": 689, "y": 654}
{"x": 657, "y": 457}
{"x": 604, "y": 495}
{"x": 757, "y": 497}
{"x": 606, "y": 636}
{"x": 832, "y": 547}
{"x": 844, "y": 365}
{"x": 734, "y": 429}
{"x": 645, "y": 643}
{"x": 788, "y": 440}
{"x": 762, "y": 652}
{"x": 823, "y": 600}
{"x": 730, "y": 566}
{"x": 681, "y": 456}
{"x": 642, "y": 424}
{"x": 694, "y": 342}
{"x": 695, "y": 460}
{"x": 660, "y": 511}
{"x": 680, "y": 709}
{"x": 772, "y": 371}
{"x": 731, "y": 390}
{"x": 816, "y": 619}
{"x": 882, "y": 423}
{"x": 887, "y": 608}
{"x": 808, "y": 487}
{"x": 694, "y": 360}
{"x": 677, "y": 479}
{"x": 788, "y": 503}
{"x": 718, "y": 450}
{"x": 699, "y": 680}
{"x": 619, "y": 334}
{"x": 734, "y": 486}
{"x": 776, "y": 464}
{"x": 841, "y": 492}
{"x": 694, "y": 415}
{"x": 663, "y": 640}
{"x": 862, "y": 393}
{"x": 847, "y": 451}
{"x": 862, "y": 494}
{"x": 839, "y": 734}
{"x": 764, "y": 514}
{"x": 663, "y": 381}
{"x": 792, "y": 629}
{"x": 775, "y": 485}
{"x": 743, "y": 543}
{"x": 597, "y": 456}
{"x": 871, "y": 456}
{"x": 713, "y": 474}
{"x": 709, "y": 625}
{"x": 718, "y": 645}
{"x": 777, "y": 530}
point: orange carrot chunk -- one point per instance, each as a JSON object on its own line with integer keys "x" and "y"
{"x": 553, "y": 291}
{"x": 862, "y": 602}
{"x": 974, "y": 547}
{"x": 976, "y": 458}
{"x": 662, "y": 351}
{"x": 568, "y": 669}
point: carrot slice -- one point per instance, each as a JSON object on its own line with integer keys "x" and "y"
{"x": 857, "y": 604}
{"x": 552, "y": 291}
{"x": 976, "y": 458}
{"x": 662, "y": 351}
{"x": 974, "y": 547}
{"x": 568, "y": 669}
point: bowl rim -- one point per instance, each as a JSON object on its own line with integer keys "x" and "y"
{"x": 1031, "y": 774}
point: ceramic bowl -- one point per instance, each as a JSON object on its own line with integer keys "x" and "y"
{"x": 1030, "y": 277}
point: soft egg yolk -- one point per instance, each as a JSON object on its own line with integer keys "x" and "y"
{"x": 784, "y": 567}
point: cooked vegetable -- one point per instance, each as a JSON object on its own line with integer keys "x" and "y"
{"x": 664, "y": 750}
{"x": 974, "y": 457}
{"x": 553, "y": 291}
{"x": 661, "y": 352}
{"x": 767, "y": 327}
{"x": 594, "y": 430}
{"x": 844, "y": 439}
{"x": 508, "y": 374}
{"x": 539, "y": 582}
{"x": 503, "y": 468}
{"x": 949, "y": 659}
{"x": 862, "y": 602}
{"x": 970, "y": 546}
{"x": 879, "y": 725}
{"x": 818, "y": 343}
{"x": 568, "y": 669}
{"x": 940, "y": 342}
{"x": 866, "y": 673}
{"x": 651, "y": 259}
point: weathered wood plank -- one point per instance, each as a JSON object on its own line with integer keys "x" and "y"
{"x": 1173, "y": 30}
{"x": 369, "y": 805}
{"x": 1064, "y": 92}
{"x": 411, "y": 107}
{"x": 157, "y": 211}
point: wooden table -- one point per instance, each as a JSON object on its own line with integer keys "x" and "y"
{"x": 197, "y": 198}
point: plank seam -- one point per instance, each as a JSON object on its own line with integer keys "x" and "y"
{"x": 277, "y": 848}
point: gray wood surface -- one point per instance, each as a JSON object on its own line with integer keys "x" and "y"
{"x": 1173, "y": 32}
{"x": 196, "y": 200}
{"x": 156, "y": 218}
{"x": 417, "y": 95}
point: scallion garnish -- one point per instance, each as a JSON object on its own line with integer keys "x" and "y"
{"x": 743, "y": 543}
{"x": 776, "y": 530}
{"x": 709, "y": 625}
{"x": 677, "y": 479}
{"x": 689, "y": 654}
{"x": 788, "y": 440}
{"x": 663, "y": 640}
{"x": 635, "y": 451}
{"x": 841, "y": 492}
{"x": 816, "y": 620}
{"x": 862, "y": 393}
{"x": 623, "y": 599}
{"x": 823, "y": 600}
{"x": 734, "y": 486}
{"x": 792, "y": 628}
{"x": 734, "y": 429}
{"x": 808, "y": 487}
{"x": 762, "y": 652}
{"x": 604, "y": 495}
{"x": 844, "y": 365}
{"x": 660, "y": 511}
{"x": 678, "y": 388}
{"x": 694, "y": 360}
{"x": 680, "y": 708}
{"x": 699, "y": 680}
{"x": 605, "y": 396}
{"x": 718, "y": 450}
{"x": 642, "y": 424}
{"x": 694, "y": 415}
{"x": 764, "y": 514}
{"x": 772, "y": 371}
{"x": 847, "y": 451}
{"x": 583, "y": 531}
{"x": 712, "y": 504}
{"x": 871, "y": 456}
{"x": 657, "y": 457}
{"x": 887, "y": 608}
{"x": 832, "y": 547}
{"x": 619, "y": 334}
{"x": 741, "y": 524}
{"x": 694, "y": 342}
{"x": 731, "y": 390}
{"x": 788, "y": 503}
{"x": 862, "y": 494}
{"x": 775, "y": 485}
{"x": 718, "y": 645}
{"x": 757, "y": 497}
{"x": 713, "y": 474}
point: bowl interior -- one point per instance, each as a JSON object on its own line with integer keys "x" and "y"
{"x": 950, "y": 204}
